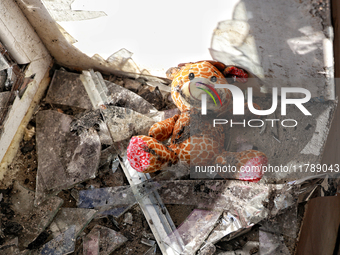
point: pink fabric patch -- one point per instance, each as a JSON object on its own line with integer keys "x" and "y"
{"x": 139, "y": 159}
{"x": 252, "y": 171}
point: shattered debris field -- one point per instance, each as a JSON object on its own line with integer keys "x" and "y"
{"x": 70, "y": 189}
{"x": 97, "y": 156}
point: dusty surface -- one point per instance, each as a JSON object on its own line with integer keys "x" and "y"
{"x": 24, "y": 170}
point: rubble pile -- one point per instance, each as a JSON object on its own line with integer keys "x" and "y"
{"x": 76, "y": 193}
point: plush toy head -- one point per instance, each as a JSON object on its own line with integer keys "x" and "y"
{"x": 191, "y": 80}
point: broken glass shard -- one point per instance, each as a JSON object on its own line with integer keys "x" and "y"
{"x": 160, "y": 85}
{"x": 208, "y": 249}
{"x": 123, "y": 97}
{"x": 212, "y": 194}
{"x": 271, "y": 243}
{"x": 107, "y": 155}
{"x": 70, "y": 157}
{"x": 106, "y": 196}
{"x": 122, "y": 54}
{"x": 252, "y": 247}
{"x": 91, "y": 119}
{"x": 62, "y": 244}
{"x": 104, "y": 134}
{"x": 96, "y": 88}
{"x": 91, "y": 243}
{"x": 227, "y": 224}
{"x": 124, "y": 123}
{"x": 152, "y": 250}
{"x": 67, "y": 89}
{"x": 66, "y": 217}
{"x": 152, "y": 95}
{"x": 33, "y": 219}
{"x": 85, "y": 120}
{"x": 286, "y": 223}
{"x": 75, "y": 194}
{"x": 194, "y": 230}
{"x": 115, "y": 164}
{"x": 121, "y": 147}
{"x": 122, "y": 61}
{"x": 109, "y": 240}
{"x": 128, "y": 219}
{"x": 148, "y": 242}
{"x": 152, "y": 206}
{"x": 132, "y": 85}
{"x": 115, "y": 200}
{"x": 120, "y": 198}
{"x": 170, "y": 113}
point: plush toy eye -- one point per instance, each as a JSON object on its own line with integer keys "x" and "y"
{"x": 213, "y": 79}
{"x": 191, "y": 76}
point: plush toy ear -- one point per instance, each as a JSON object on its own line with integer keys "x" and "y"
{"x": 172, "y": 71}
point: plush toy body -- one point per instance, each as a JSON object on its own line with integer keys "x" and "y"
{"x": 195, "y": 140}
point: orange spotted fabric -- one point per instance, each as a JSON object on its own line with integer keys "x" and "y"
{"x": 192, "y": 139}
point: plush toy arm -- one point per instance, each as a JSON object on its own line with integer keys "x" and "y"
{"x": 163, "y": 130}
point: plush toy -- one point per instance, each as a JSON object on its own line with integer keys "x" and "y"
{"x": 195, "y": 140}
